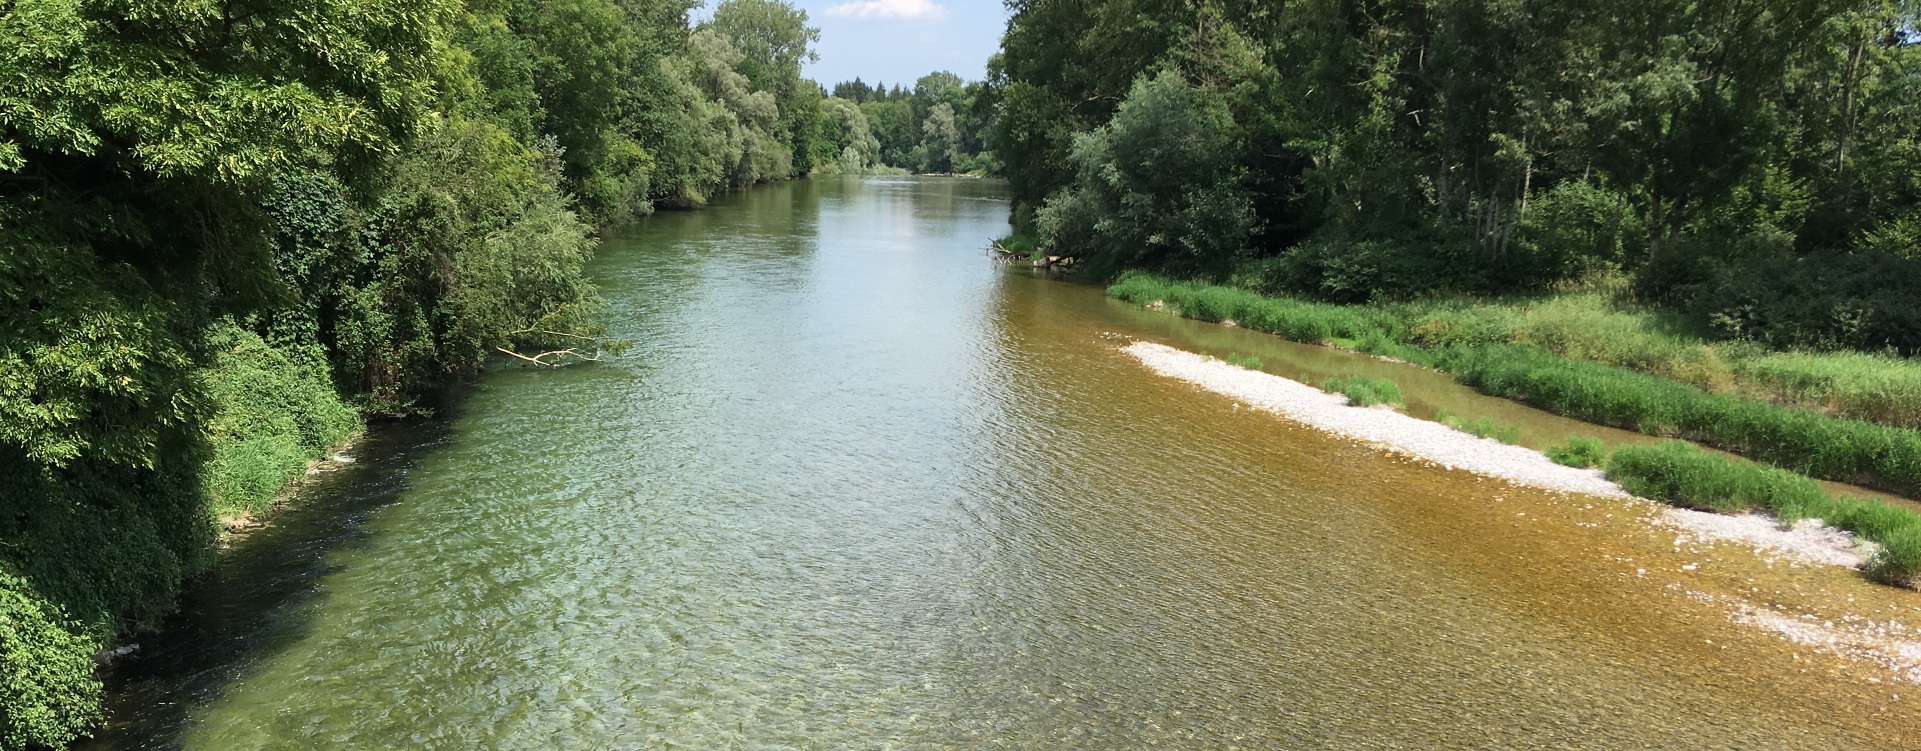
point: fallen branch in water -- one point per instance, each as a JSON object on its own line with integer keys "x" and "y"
{"x": 563, "y": 353}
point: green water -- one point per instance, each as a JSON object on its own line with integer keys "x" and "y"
{"x": 857, "y": 487}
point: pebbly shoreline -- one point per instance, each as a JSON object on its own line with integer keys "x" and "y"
{"x": 1809, "y": 542}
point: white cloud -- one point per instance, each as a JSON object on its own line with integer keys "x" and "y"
{"x": 918, "y": 10}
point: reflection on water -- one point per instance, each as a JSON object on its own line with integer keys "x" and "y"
{"x": 856, "y": 487}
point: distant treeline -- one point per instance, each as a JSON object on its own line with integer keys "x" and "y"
{"x": 1754, "y": 164}
{"x": 943, "y": 125}
{"x": 228, "y": 230}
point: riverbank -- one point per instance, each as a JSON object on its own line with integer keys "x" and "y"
{"x": 1451, "y": 448}
{"x": 1588, "y": 325}
{"x": 1807, "y": 542}
{"x": 1882, "y": 457}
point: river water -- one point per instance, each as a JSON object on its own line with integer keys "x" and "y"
{"x": 857, "y": 487}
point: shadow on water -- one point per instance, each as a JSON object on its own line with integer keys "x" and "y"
{"x": 261, "y": 595}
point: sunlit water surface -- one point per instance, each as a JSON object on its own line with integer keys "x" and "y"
{"x": 856, "y": 487}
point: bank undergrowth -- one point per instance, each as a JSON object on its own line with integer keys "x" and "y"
{"x": 276, "y": 410}
{"x": 1481, "y": 355}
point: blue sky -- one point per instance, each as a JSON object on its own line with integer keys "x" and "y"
{"x": 897, "y": 41}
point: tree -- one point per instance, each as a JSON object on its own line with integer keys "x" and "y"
{"x": 1159, "y": 184}
{"x": 773, "y": 40}
{"x": 849, "y": 134}
{"x": 940, "y": 142}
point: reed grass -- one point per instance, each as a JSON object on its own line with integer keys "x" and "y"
{"x": 1301, "y": 321}
{"x": 1579, "y": 451}
{"x": 1682, "y": 474}
{"x": 1249, "y": 361}
{"x": 1483, "y": 427}
{"x": 1588, "y": 325}
{"x": 1804, "y": 441}
{"x": 1486, "y": 347}
{"x": 1365, "y": 392}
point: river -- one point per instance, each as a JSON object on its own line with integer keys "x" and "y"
{"x": 857, "y": 487}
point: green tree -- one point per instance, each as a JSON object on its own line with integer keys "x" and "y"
{"x": 940, "y": 141}
{"x": 1158, "y": 185}
{"x": 773, "y": 40}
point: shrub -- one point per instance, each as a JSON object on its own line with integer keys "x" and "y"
{"x": 1579, "y": 451}
{"x": 1158, "y": 184}
{"x": 51, "y": 696}
{"x": 274, "y": 410}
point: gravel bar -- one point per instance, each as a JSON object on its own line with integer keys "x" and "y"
{"x": 1808, "y": 541}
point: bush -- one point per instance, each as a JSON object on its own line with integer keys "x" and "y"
{"x": 1865, "y": 300}
{"x": 274, "y": 411}
{"x": 1579, "y": 451}
{"x": 51, "y": 696}
{"x": 1158, "y": 184}
{"x": 1365, "y": 392}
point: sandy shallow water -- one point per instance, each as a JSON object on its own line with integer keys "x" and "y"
{"x": 1807, "y": 543}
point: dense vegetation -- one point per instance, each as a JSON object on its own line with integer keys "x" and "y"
{"x": 227, "y": 231}
{"x": 1476, "y": 345}
{"x": 1803, "y": 440}
{"x": 944, "y": 125}
{"x": 1684, "y": 475}
{"x": 1754, "y": 166}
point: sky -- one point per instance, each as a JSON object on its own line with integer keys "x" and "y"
{"x": 898, "y": 41}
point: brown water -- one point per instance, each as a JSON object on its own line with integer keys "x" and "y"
{"x": 857, "y": 487}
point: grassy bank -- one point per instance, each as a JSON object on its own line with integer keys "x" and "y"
{"x": 1478, "y": 346}
{"x": 274, "y": 409}
{"x": 277, "y": 410}
{"x": 1684, "y": 475}
{"x": 1587, "y": 325}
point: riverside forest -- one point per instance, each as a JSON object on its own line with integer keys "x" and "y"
{"x": 1455, "y": 374}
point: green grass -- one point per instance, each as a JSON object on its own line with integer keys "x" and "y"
{"x": 1579, "y": 451}
{"x": 1364, "y": 392}
{"x": 1684, "y": 475}
{"x": 275, "y": 411}
{"x": 1018, "y": 245}
{"x": 1301, "y": 321}
{"x": 1801, "y": 440}
{"x": 1478, "y": 344}
{"x": 1876, "y": 388}
{"x": 1250, "y": 362}
{"x": 1484, "y": 427}
{"x": 1588, "y": 325}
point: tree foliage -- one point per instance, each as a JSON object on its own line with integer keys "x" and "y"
{"x": 226, "y": 226}
{"x": 1754, "y": 164}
